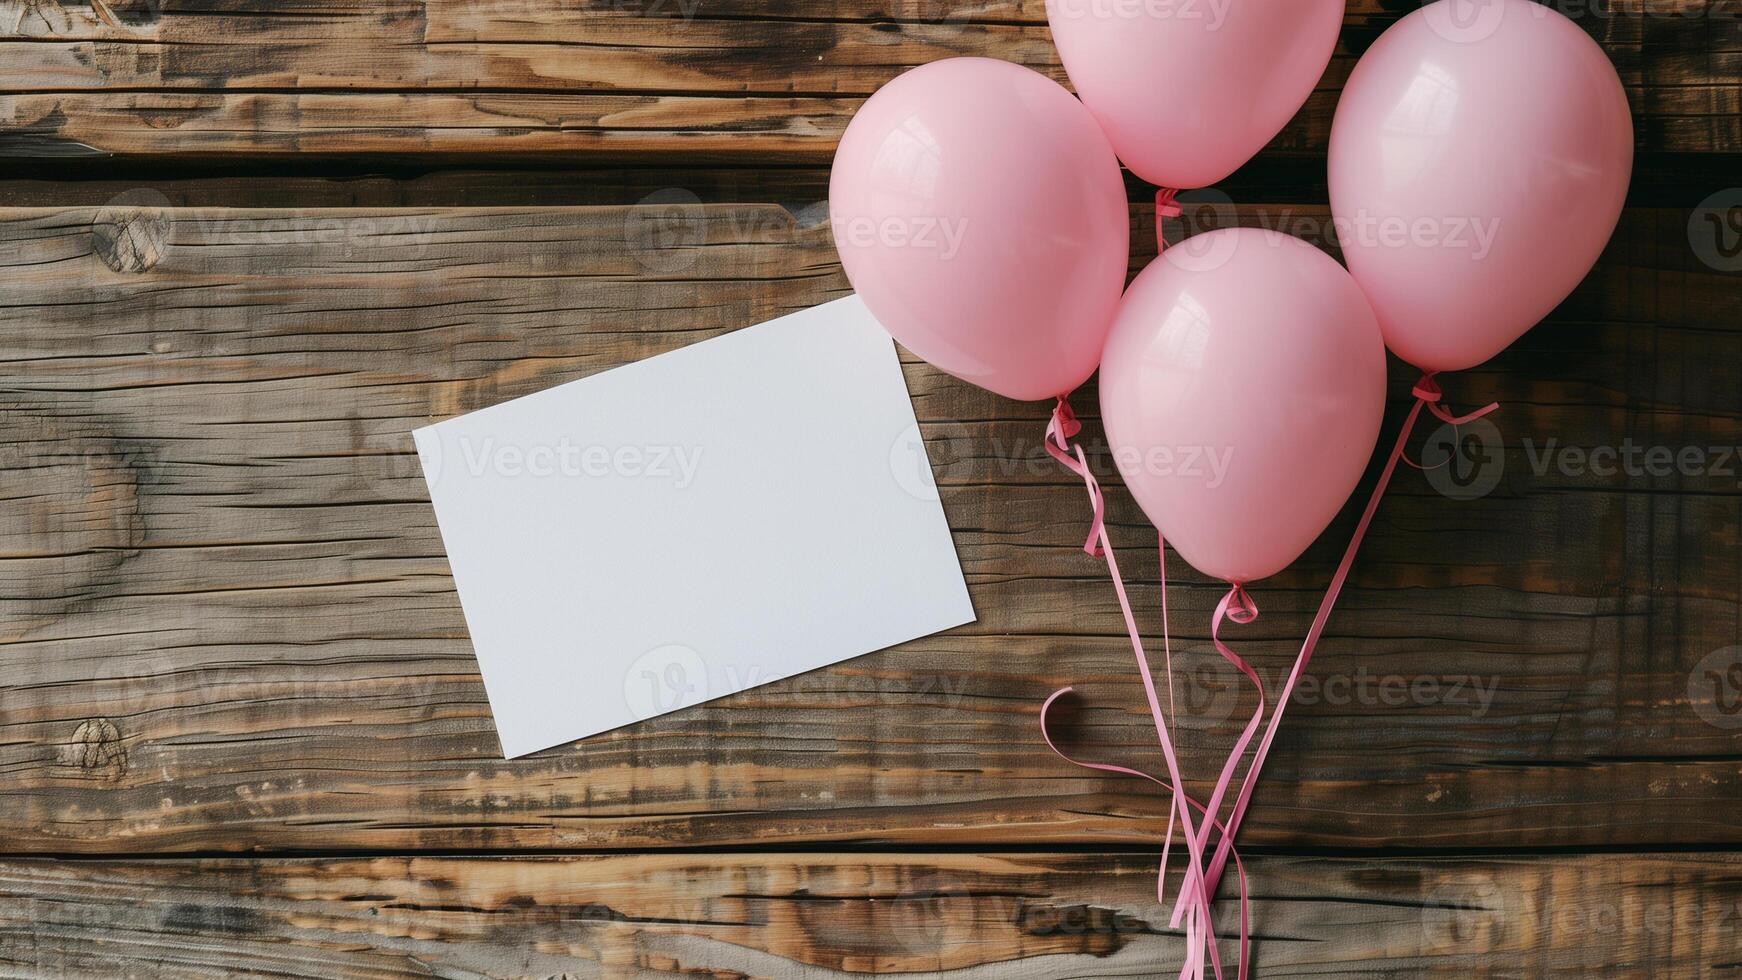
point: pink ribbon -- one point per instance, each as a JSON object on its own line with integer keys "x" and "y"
{"x": 1236, "y": 607}
{"x": 1428, "y": 390}
{"x": 1427, "y": 394}
{"x": 1197, "y": 892}
{"x": 1199, "y": 927}
{"x": 1165, "y": 207}
{"x": 1161, "y": 879}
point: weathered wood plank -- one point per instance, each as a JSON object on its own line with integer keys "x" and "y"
{"x": 1030, "y": 916}
{"x": 768, "y": 78}
{"x": 227, "y": 622}
{"x": 1659, "y": 181}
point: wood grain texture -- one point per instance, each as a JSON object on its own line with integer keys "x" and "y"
{"x": 229, "y": 626}
{"x": 769, "y": 79}
{"x": 1028, "y": 916}
{"x": 241, "y": 728}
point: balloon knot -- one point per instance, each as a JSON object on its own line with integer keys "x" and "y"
{"x": 1241, "y": 608}
{"x": 1428, "y": 391}
{"x": 1065, "y": 419}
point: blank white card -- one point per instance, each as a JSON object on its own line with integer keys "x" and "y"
{"x": 729, "y": 514}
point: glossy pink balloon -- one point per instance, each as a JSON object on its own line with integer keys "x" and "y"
{"x": 1188, "y": 90}
{"x": 1242, "y": 397}
{"x": 1478, "y": 163}
{"x": 981, "y": 215}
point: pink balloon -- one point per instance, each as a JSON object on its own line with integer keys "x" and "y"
{"x": 1188, "y": 90}
{"x": 981, "y": 215}
{"x": 1242, "y": 396}
{"x": 1479, "y": 160}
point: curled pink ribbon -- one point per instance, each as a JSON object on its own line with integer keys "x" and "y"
{"x": 1199, "y": 926}
{"x": 1236, "y": 607}
{"x": 1198, "y": 890}
{"x": 1161, "y": 879}
{"x": 1428, "y": 391}
{"x": 1427, "y": 395}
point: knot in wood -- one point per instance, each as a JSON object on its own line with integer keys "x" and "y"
{"x": 96, "y": 747}
{"x": 130, "y": 233}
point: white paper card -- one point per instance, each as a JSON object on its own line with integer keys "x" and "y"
{"x": 729, "y": 514}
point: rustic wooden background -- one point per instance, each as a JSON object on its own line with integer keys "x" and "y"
{"x": 248, "y": 246}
